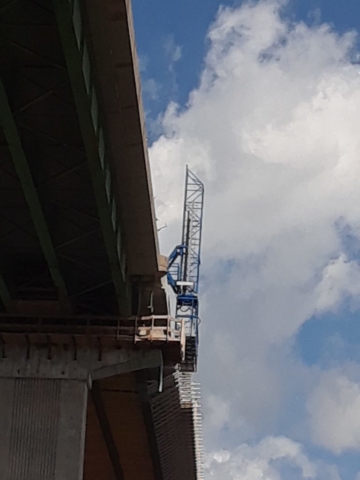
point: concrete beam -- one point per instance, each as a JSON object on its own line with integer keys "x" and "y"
{"x": 87, "y": 364}
{"x": 106, "y": 431}
{"x": 141, "y": 382}
{"x": 142, "y": 361}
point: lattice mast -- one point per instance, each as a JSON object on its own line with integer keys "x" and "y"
{"x": 184, "y": 267}
{"x": 192, "y": 228}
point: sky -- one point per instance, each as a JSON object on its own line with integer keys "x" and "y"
{"x": 262, "y": 100}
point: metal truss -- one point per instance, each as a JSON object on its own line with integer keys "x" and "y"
{"x": 184, "y": 267}
{"x": 192, "y": 228}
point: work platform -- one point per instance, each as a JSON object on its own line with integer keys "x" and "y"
{"x": 88, "y": 352}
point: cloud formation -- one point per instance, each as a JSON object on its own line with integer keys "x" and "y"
{"x": 334, "y": 408}
{"x": 266, "y": 460}
{"x": 172, "y": 51}
{"x": 272, "y": 129}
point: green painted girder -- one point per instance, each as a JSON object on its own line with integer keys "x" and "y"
{"x": 24, "y": 174}
{"x": 6, "y": 296}
{"x": 71, "y": 27}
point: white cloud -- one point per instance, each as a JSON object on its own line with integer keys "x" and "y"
{"x": 334, "y": 409}
{"x": 272, "y": 130}
{"x": 218, "y": 411}
{"x": 172, "y": 50}
{"x": 340, "y": 278}
{"x": 143, "y": 61}
{"x": 274, "y": 458}
{"x": 173, "y": 53}
{"x": 151, "y": 88}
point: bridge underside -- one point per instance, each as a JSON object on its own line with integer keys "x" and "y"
{"x": 77, "y": 223}
{"x": 78, "y": 242}
{"x": 117, "y": 441}
{"x": 144, "y": 435}
{"x": 61, "y": 254}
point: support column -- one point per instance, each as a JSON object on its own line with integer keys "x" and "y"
{"x": 43, "y": 404}
{"x": 42, "y": 428}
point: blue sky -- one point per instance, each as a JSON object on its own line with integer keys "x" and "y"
{"x": 271, "y": 126}
{"x": 187, "y": 23}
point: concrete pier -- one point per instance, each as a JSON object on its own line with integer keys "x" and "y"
{"x": 43, "y": 405}
{"x": 42, "y": 428}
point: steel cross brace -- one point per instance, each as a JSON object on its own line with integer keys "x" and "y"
{"x": 23, "y": 171}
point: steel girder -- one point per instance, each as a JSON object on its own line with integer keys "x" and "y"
{"x": 76, "y": 50}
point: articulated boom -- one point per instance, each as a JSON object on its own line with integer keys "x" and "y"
{"x": 184, "y": 267}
